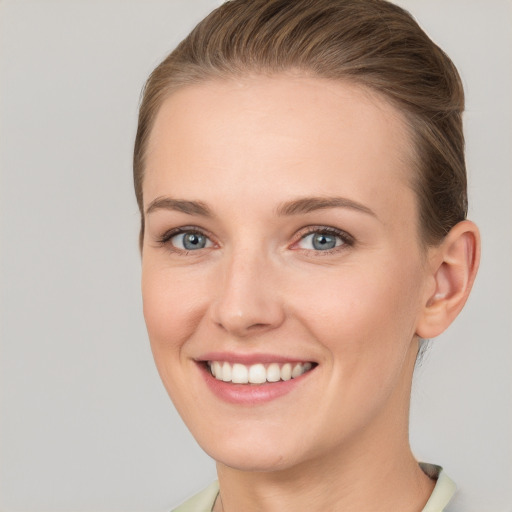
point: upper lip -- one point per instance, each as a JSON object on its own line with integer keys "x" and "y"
{"x": 248, "y": 359}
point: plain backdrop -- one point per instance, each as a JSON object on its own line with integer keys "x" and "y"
{"x": 85, "y": 423}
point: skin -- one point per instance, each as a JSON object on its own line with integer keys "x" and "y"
{"x": 243, "y": 148}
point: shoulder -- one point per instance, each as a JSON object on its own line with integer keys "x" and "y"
{"x": 200, "y": 502}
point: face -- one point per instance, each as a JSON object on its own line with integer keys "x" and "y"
{"x": 282, "y": 273}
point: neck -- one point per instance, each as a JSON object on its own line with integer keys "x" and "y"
{"x": 375, "y": 470}
{"x": 388, "y": 485}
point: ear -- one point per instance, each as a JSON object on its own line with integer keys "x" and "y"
{"x": 452, "y": 270}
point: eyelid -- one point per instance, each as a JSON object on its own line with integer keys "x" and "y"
{"x": 165, "y": 239}
{"x": 347, "y": 239}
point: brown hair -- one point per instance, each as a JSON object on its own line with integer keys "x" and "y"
{"x": 371, "y": 42}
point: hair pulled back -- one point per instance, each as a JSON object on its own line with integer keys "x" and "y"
{"x": 370, "y": 42}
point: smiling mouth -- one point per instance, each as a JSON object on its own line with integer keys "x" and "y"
{"x": 258, "y": 373}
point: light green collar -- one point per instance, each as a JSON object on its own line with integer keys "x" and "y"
{"x": 441, "y": 495}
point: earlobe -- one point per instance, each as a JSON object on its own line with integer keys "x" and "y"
{"x": 454, "y": 264}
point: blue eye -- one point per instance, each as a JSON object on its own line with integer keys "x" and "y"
{"x": 320, "y": 241}
{"x": 190, "y": 241}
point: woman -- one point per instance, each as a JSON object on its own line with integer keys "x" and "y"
{"x": 299, "y": 169}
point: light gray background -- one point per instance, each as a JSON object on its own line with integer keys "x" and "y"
{"x": 85, "y": 424}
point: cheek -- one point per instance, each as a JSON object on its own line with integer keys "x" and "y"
{"x": 365, "y": 314}
{"x": 173, "y": 305}
{"x": 365, "y": 318}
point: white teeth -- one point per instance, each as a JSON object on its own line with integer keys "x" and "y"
{"x": 226, "y": 372}
{"x": 217, "y": 370}
{"x": 286, "y": 371}
{"x": 273, "y": 372}
{"x": 297, "y": 371}
{"x": 257, "y": 373}
{"x": 239, "y": 374}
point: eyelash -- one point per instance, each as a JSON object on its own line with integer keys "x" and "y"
{"x": 346, "y": 239}
{"x": 165, "y": 239}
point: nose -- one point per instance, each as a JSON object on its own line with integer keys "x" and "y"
{"x": 248, "y": 301}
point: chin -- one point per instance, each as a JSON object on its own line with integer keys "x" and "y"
{"x": 250, "y": 461}
{"x": 250, "y": 453}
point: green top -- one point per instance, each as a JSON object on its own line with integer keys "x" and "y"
{"x": 441, "y": 495}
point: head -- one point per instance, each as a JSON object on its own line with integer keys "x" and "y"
{"x": 372, "y": 43}
{"x": 275, "y": 130}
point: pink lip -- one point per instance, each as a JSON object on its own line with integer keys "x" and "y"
{"x": 249, "y": 359}
{"x": 248, "y": 394}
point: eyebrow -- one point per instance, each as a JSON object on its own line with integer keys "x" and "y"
{"x": 294, "y": 207}
{"x": 180, "y": 205}
{"x": 310, "y": 204}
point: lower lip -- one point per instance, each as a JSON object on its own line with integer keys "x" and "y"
{"x": 250, "y": 394}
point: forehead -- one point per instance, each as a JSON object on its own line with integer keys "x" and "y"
{"x": 287, "y": 133}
